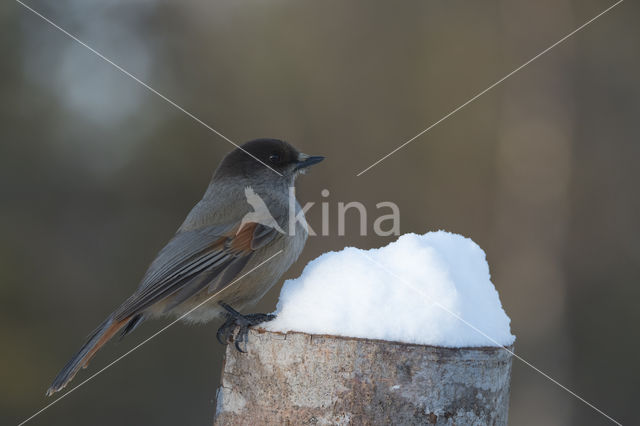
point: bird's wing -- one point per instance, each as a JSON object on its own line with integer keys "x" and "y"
{"x": 187, "y": 264}
{"x": 192, "y": 260}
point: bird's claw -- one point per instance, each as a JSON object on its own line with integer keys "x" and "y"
{"x": 236, "y": 328}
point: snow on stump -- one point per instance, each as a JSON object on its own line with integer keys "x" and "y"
{"x": 411, "y": 333}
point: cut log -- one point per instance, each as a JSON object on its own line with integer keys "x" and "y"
{"x": 297, "y": 378}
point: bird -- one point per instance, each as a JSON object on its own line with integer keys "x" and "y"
{"x": 226, "y": 254}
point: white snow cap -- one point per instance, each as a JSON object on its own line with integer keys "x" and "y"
{"x": 431, "y": 289}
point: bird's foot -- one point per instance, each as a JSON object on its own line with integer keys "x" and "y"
{"x": 236, "y": 328}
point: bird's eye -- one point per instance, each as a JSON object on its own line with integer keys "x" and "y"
{"x": 274, "y": 157}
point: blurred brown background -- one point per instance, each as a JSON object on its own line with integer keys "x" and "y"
{"x": 97, "y": 173}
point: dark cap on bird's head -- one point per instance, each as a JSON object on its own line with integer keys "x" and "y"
{"x": 261, "y": 156}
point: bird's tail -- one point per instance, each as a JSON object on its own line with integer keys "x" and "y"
{"x": 96, "y": 340}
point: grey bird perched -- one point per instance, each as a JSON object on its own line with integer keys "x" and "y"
{"x": 221, "y": 240}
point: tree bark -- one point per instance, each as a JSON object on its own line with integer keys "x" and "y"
{"x": 297, "y": 378}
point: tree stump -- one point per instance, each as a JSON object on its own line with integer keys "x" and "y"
{"x": 298, "y": 378}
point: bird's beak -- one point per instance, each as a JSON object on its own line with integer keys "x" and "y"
{"x": 305, "y": 161}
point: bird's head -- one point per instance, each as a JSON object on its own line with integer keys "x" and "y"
{"x": 271, "y": 159}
